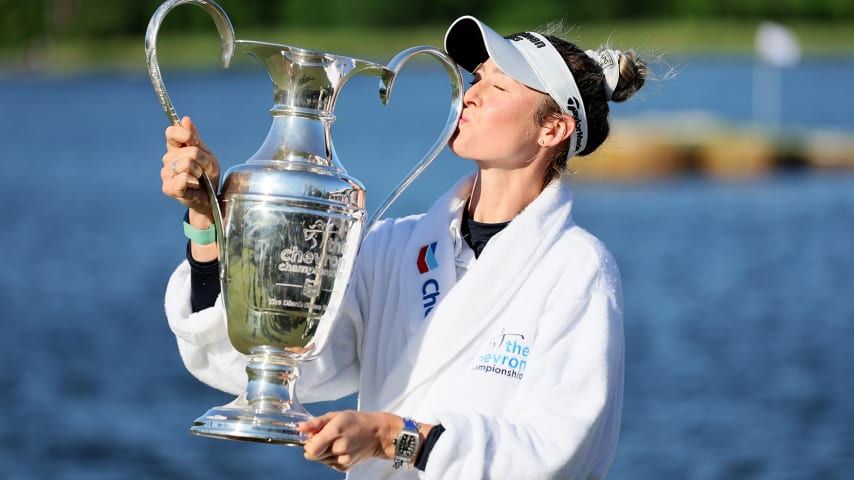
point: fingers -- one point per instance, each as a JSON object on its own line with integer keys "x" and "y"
{"x": 335, "y": 458}
{"x": 184, "y": 140}
{"x": 180, "y": 175}
{"x": 178, "y": 136}
{"x": 343, "y": 439}
{"x": 185, "y": 189}
{"x": 192, "y": 160}
{"x": 315, "y": 424}
{"x": 180, "y": 181}
{"x": 185, "y": 153}
{"x": 189, "y": 160}
{"x": 186, "y": 159}
{"x": 319, "y": 440}
{"x": 183, "y": 135}
{"x": 337, "y": 465}
{"x": 326, "y": 445}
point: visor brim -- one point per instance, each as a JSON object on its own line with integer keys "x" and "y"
{"x": 470, "y": 42}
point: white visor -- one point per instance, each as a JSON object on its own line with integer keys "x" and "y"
{"x": 529, "y": 58}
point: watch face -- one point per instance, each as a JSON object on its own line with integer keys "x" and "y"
{"x": 406, "y": 444}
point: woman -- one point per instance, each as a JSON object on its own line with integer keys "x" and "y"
{"x": 512, "y": 366}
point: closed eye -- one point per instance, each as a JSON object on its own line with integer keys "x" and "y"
{"x": 497, "y": 87}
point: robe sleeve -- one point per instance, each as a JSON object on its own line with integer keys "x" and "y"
{"x": 335, "y": 373}
{"x": 207, "y": 353}
{"x": 203, "y": 337}
{"x": 566, "y": 416}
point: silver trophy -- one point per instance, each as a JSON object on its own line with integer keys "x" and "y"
{"x": 288, "y": 223}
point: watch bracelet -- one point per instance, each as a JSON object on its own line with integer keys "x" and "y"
{"x": 410, "y": 428}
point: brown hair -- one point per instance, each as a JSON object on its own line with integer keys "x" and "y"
{"x": 591, "y": 84}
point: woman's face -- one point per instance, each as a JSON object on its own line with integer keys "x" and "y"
{"x": 497, "y": 126}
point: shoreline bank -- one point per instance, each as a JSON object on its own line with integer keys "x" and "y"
{"x": 639, "y": 150}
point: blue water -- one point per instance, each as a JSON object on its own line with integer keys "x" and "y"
{"x": 738, "y": 311}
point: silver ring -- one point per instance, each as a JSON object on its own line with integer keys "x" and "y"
{"x": 174, "y": 170}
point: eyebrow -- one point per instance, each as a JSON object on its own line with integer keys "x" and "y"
{"x": 494, "y": 69}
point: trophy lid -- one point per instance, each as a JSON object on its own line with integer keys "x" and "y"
{"x": 307, "y": 81}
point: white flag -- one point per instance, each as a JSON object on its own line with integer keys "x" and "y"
{"x": 777, "y": 45}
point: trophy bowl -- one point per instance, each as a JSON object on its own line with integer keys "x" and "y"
{"x": 285, "y": 264}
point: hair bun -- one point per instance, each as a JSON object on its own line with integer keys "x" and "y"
{"x": 633, "y": 73}
{"x": 624, "y": 72}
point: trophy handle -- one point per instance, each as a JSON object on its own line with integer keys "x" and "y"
{"x": 226, "y": 34}
{"x": 386, "y": 84}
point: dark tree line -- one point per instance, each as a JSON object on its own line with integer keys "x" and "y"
{"x": 27, "y": 21}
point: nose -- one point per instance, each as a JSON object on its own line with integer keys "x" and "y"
{"x": 471, "y": 95}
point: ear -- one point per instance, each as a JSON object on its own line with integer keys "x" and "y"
{"x": 556, "y": 131}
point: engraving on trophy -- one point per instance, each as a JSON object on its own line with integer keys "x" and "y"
{"x": 311, "y": 288}
{"x": 284, "y": 276}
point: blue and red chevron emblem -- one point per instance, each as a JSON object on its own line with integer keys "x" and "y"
{"x": 427, "y": 258}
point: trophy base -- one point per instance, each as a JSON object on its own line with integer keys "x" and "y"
{"x": 240, "y": 421}
{"x": 268, "y": 412}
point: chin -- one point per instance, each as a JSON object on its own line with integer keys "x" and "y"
{"x": 456, "y": 146}
{"x": 452, "y": 144}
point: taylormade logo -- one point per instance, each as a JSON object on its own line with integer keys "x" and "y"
{"x": 526, "y": 36}
{"x": 572, "y": 107}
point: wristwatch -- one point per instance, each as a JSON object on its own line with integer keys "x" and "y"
{"x": 406, "y": 444}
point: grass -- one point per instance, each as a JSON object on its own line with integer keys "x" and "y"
{"x": 201, "y": 50}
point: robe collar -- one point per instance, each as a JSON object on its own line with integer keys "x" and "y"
{"x": 446, "y": 315}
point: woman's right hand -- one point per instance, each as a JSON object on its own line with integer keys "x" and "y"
{"x": 185, "y": 159}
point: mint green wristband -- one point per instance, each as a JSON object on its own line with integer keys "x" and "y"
{"x": 202, "y": 237}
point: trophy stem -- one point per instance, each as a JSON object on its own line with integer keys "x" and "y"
{"x": 268, "y": 411}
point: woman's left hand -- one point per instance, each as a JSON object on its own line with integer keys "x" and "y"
{"x": 344, "y": 439}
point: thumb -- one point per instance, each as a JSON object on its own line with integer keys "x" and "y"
{"x": 195, "y": 139}
{"x": 315, "y": 424}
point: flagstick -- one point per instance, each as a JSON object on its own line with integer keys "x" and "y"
{"x": 767, "y": 95}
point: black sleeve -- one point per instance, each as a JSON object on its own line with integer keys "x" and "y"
{"x": 429, "y": 442}
{"x": 204, "y": 282}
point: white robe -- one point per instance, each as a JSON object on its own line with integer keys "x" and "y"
{"x": 520, "y": 359}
